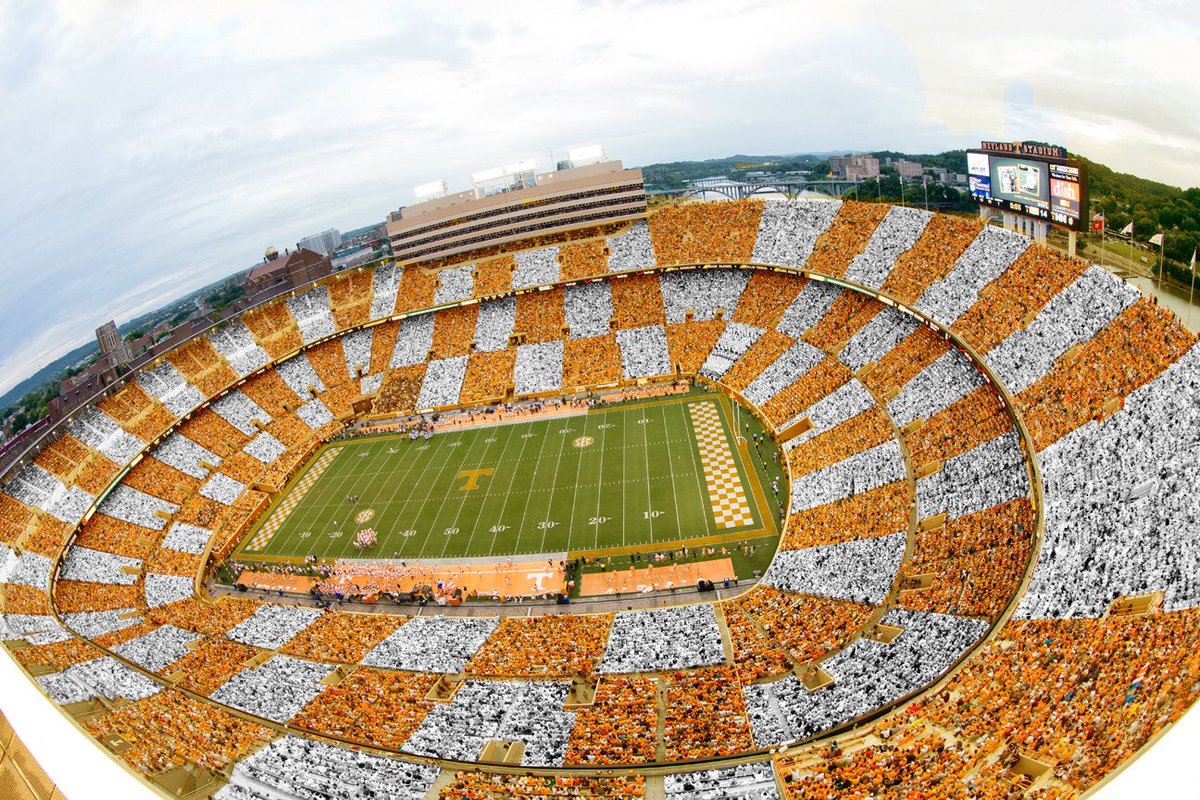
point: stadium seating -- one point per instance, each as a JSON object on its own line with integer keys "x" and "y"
{"x": 913, "y": 511}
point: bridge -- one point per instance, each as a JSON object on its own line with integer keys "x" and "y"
{"x": 738, "y": 190}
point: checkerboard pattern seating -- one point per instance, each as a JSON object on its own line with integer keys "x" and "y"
{"x": 730, "y": 507}
{"x": 264, "y": 535}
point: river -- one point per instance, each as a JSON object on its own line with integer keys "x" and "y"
{"x": 1173, "y": 298}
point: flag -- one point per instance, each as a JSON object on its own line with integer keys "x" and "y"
{"x": 1128, "y": 229}
{"x": 1156, "y": 239}
{"x": 1193, "y": 260}
{"x": 1097, "y": 223}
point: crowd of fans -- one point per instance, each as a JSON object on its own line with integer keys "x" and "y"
{"x": 351, "y": 297}
{"x": 904, "y": 362}
{"x": 733, "y": 343}
{"x": 489, "y": 375}
{"x": 1016, "y": 296}
{"x": 583, "y": 259}
{"x": 867, "y": 675}
{"x": 945, "y": 239}
{"x": 791, "y": 365}
{"x": 416, "y": 288}
{"x": 1074, "y": 341}
{"x": 871, "y": 342}
{"x": 706, "y": 233}
{"x": 861, "y": 432}
{"x": 986, "y": 258}
{"x": 587, "y": 309}
{"x": 432, "y": 644}
{"x": 690, "y": 343}
{"x": 805, "y": 628}
{"x": 236, "y": 344}
{"x": 766, "y": 296}
{"x": 540, "y": 316}
{"x": 454, "y": 284}
{"x": 637, "y": 301}
{"x": 294, "y": 767}
{"x": 536, "y": 268}
{"x": 494, "y": 276}
{"x": 162, "y": 590}
{"x": 443, "y": 382}
{"x": 705, "y": 715}
{"x": 495, "y": 786}
{"x": 702, "y": 292}
{"x": 620, "y": 727}
{"x": 453, "y": 329}
{"x": 949, "y": 378}
{"x": 859, "y": 473}
{"x": 754, "y": 781}
{"x": 896, "y": 233}
{"x": 1072, "y": 316}
{"x": 1115, "y": 497}
{"x": 663, "y": 639}
{"x": 631, "y": 249}
{"x": 791, "y": 401}
{"x": 845, "y": 317}
{"x": 985, "y": 476}
{"x": 137, "y": 412}
{"x": 546, "y": 646}
{"x": 761, "y": 355}
{"x": 788, "y": 230}
{"x": 538, "y": 368}
{"x": 381, "y": 708}
{"x": 276, "y": 690}
{"x": 165, "y": 383}
{"x": 643, "y": 352}
{"x": 847, "y": 235}
{"x": 102, "y": 677}
{"x": 1137, "y": 346}
{"x": 510, "y": 711}
{"x": 273, "y": 328}
{"x": 100, "y": 432}
{"x": 976, "y": 561}
{"x": 273, "y": 626}
{"x": 876, "y": 512}
{"x": 312, "y": 313}
{"x": 978, "y": 417}
{"x": 202, "y": 366}
{"x": 862, "y": 570}
{"x": 159, "y": 648}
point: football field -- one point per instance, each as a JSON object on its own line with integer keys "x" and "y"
{"x": 630, "y": 475}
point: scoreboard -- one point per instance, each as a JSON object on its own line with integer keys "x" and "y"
{"x": 1037, "y": 181}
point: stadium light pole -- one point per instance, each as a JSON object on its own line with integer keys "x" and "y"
{"x": 1162, "y": 246}
{"x": 1192, "y": 291}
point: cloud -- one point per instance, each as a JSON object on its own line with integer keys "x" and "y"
{"x": 163, "y": 145}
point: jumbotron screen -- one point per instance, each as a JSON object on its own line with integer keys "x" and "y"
{"x": 1049, "y": 189}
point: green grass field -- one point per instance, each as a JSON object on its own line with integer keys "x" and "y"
{"x": 638, "y": 482}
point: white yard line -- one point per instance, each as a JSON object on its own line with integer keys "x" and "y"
{"x": 575, "y": 493}
{"x": 434, "y": 473}
{"x": 646, "y": 463}
{"x": 465, "y": 450}
{"x": 537, "y": 467}
{"x": 599, "y": 494}
{"x": 671, "y": 469}
{"x": 491, "y": 481}
{"x": 553, "y": 487}
{"x": 698, "y": 470}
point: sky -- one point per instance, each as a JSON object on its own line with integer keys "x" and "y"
{"x": 154, "y": 147}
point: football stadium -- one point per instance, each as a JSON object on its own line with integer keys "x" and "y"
{"x": 784, "y": 498}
